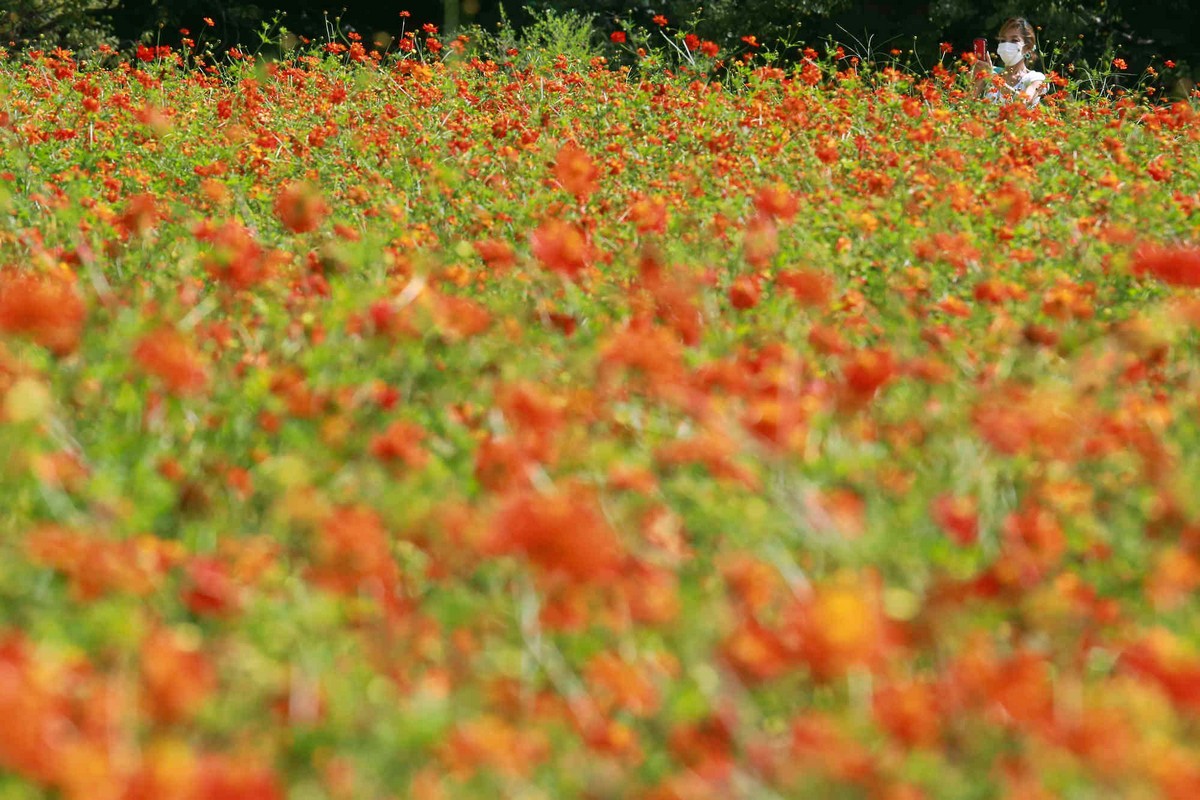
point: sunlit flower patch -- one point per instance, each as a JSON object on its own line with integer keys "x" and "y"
{"x": 437, "y": 426}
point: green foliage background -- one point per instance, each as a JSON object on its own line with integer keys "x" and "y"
{"x": 1136, "y": 30}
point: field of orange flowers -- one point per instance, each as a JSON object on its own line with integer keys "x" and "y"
{"x": 448, "y": 428}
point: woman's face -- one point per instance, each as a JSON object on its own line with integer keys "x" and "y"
{"x": 1014, "y": 35}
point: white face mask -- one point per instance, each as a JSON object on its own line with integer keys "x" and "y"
{"x": 1011, "y": 53}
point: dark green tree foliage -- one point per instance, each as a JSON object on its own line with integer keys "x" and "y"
{"x": 1139, "y": 31}
{"x": 240, "y": 21}
{"x": 77, "y": 23}
{"x": 1136, "y": 30}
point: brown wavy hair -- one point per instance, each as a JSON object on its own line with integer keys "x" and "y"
{"x": 1026, "y": 30}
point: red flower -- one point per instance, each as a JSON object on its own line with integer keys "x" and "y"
{"x": 238, "y": 777}
{"x": 140, "y": 215}
{"x": 1178, "y": 266}
{"x": 401, "y": 443}
{"x": 460, "y": 317}
{"x": 1160, "y": 656}
{"x": 299, "y": 207}
{"x": 839, "y": 626}
{"x": 44, "y": 308}
{"x": 909, "y": 711}
{"x": 562, "y": 532}
{"x": 168, "y": 356}
{"x": 868, "y": 370}
{"x": 561, "y": 247}
{"x": 576, "y": 171}
{"x": 617, "y": 37}
{"x": 810, "y": 287}
{"x": 352, "y": 555}
{"x": 649, "y": 214}
{"x": 497, "y": 254}
{"x": 958, "y": 517}
{"x": 754, "y": 652}
{"x": 177, "y": 677}
{"x": 211, "y": 590}
{"x": 777, "y": 201}
{"x": 744, "y": 293}
{"x": 761, "y": 241}
{"x": 237, "y": 258}
{"x": 712, "y": 449}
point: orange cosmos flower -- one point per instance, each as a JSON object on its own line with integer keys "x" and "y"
{"x": 177, "y": 678}
{"x": 868, "y": 370}
{"x": 1034, "y": 545}
{"x": 171, "y": 358}
{"x": 673, "y": 293}
{"x": 497, "y": 254}
{"x": 299, "y": 207}
{"x": 576, "y": 171}
{"x": 1022, "y": 692}
{"x": 353, "y": 553}
{"x": 237, "y": 258}
{"x": 616, "y": 684}
{"x": 1050, "y": 423}
{"x": 649, "y": 214}
{"x": 650, "y": 594}
{"x": 1174, "y": 580}
{"x": 95, "y": 566}
{"x": 210, "y": 589}
{"x": 714, "y": 450}
{"x": 706, "y": 746}
{"x": 1168, "y": 661}
{"x": 491, "y": 743}
{"x": 755, "y": 653}
{"x": 1014, "y": 203}
{"x": 1177, "y": 265}
{"x": 562, "y": 532}
{"x": 827, "y": 340}
{"x": 43, "y": 308}
{"x": 810, "y": 287}
{"x": 239, "y": 777}
{"x": 840, "y": 626}
{"x": 561, "y": 247}
{"x": 401, "y": 443}
{"x": 752, "y": 584}
{"x": 958, "y": 517}
{"x": 908, "y": 710}
{"x": 777, "y": 201}
{"x": 140, "y": 215}
{"x": 836, "y": 512}
{"x": 761, "y": 241}
{"x": 460, "y": 317}
{"x": 744, "y": 293}
{"x": 819, "y": 744}
{"x": 36, "y": 729}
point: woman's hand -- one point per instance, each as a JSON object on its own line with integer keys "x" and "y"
{"x": 982, "y": 72}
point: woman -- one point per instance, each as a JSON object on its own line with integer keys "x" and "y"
{"x": 1017, "y": 48}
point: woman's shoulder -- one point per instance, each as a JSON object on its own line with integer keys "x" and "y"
{"x": 1032, "y": 76}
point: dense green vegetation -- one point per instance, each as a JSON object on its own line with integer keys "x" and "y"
{"x": 1141, "y": 32}
{"x": 492, "y": 419}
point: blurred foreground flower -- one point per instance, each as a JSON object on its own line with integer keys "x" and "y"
{"x": 560, "y": 532}
{"x": 1177, "y": 265}
{"x": 44, "y": 308}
